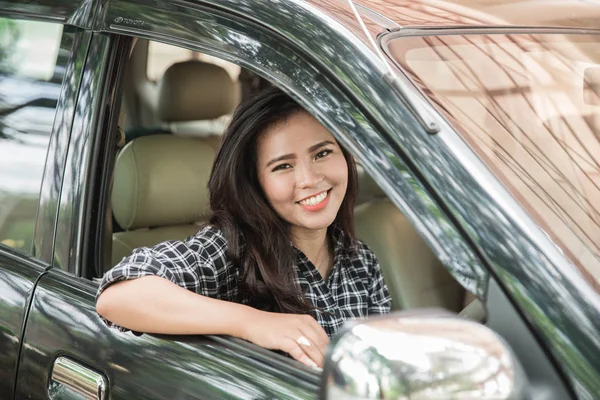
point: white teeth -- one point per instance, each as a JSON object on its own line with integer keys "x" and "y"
{"x": 313, "y": 201}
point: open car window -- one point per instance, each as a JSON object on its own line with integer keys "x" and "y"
{"x": 415, "y": 277}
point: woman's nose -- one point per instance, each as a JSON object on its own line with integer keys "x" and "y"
{"x": 308, "y": 176}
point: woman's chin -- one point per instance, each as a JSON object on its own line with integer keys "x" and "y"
{"x": 314, "y": 224}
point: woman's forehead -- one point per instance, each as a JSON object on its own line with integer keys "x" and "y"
{"x": 298, "y": 132}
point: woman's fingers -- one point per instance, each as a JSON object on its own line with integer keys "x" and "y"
{"x": 320, "y": 336}
{"x": 300, "y": 336}
{"x": 308, "y": 345}
{"x": 294, "y": 349}
{"x": 315, "y": 354}
{"x": 312, "y": 345}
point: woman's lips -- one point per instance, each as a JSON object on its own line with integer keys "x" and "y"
{"x": 316, "y": 207}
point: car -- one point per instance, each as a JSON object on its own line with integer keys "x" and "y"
{"x": 476, "y": 128}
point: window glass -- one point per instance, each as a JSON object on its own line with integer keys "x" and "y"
{"x": 529, "y": 105}
{"x": 33, "y": 56}
{"x": 161, "y": 56}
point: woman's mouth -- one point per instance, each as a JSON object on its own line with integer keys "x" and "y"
{"x": 316, "y": 202}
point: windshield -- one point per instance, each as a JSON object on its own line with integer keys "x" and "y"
{"x": 529, "y": 106}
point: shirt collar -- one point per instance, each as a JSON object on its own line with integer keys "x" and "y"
{"x": 337, "y": 237}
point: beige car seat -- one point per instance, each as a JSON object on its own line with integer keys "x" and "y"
{"x": 196, "y": 98}
{"x": 413, "y": 274}
{"x": 159, "y": 190}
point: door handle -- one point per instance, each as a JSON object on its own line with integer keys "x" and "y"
{"x": 71, "y": 377}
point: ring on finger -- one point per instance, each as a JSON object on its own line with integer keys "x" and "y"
{"x": 303, "y": 341}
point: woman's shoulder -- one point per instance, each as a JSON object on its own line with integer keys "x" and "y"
{"x": 208, "y": 238}
{"x": 362, "y": 249}
{"x": 351, "y": 245}
{"x": 207, "y": 235}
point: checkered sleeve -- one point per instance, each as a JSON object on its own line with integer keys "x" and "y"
{"x": 198, "y": 263}
{"x": 380, "y": 301}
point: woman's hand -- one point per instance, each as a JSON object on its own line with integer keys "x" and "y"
{"x": 299, "y": 335}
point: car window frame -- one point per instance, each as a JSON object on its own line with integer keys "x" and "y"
{"x": 399, "y": 182}
{"x": 85, "y": 223}
{"x": 422, "y": 208}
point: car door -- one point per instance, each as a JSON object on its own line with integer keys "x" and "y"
{"x": 17, "y": 278}
{"x": 35, "y": 58}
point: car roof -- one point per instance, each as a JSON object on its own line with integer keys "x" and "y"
{"x": 575, "y": 14}
{"x": 378, "y": 15}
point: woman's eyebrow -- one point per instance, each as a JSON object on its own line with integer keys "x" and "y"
{"x": 319, "y": 145}
{"x": 281, "y": 158}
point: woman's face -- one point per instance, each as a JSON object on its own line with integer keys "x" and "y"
{"x": 302, "y": 172}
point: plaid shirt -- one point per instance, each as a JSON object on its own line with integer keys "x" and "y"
{"x": 354, "y": 289}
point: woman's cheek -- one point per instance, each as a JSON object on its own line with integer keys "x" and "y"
{"x": 341, "y": 169}
{"x": 279, "y": 188}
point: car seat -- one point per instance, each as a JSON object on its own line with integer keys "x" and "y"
{"x": 159, "y": 189}
{"x": 413, "y": 274}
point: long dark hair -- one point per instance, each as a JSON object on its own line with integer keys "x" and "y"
{"x": 258, "y": 238}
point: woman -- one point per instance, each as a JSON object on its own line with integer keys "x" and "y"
{"x": 278, "y": 264}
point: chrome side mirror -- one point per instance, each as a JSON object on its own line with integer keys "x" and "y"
{"x": 421, "y": 355}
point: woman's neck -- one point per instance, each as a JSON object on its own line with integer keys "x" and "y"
{"x": 315, "y": 246}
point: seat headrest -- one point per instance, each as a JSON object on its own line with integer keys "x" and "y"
{"x": 195, "y": 90}
{"x": 161, "y": 180}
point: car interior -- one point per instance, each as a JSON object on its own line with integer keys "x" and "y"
{"x": 176, "y": 104}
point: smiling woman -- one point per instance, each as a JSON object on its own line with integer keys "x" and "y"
{"x": 306, "y": 186}
{"x": 278, "y": 263}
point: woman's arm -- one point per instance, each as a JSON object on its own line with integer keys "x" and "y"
{"x": 189, "y": 288}
{"x": 155, "y": 305}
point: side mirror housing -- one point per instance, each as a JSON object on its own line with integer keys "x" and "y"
{"x": 421, "y": 355}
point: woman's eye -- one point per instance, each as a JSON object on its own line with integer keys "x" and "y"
{"x": 281, "y": 167}
{"x": 323, "y": 153}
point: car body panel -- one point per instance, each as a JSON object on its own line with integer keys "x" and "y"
{"x": 17, "y": 280}
{"x": 49, "y": 198}
{"x": 78, "y": 158}
{"x": 77, "y": 13}
{"x": 63, "y": 322}
{"x": 572, "y": 14}
{"x": 19, "y": 271}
